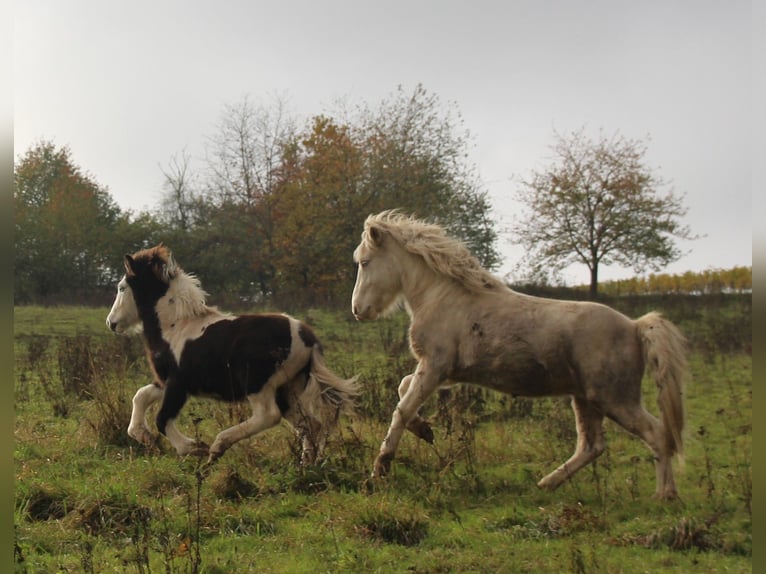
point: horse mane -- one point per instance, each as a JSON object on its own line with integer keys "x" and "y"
{"x": 442, "y": 254}
{"x": 185, "y": 291}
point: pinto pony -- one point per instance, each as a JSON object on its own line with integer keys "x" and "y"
{"x": 467, "y": 326}
{"x": 274, "y": 361}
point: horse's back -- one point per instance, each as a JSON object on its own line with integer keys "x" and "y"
{"x": 238, "y": 355}
{"x": 534, "y": 346}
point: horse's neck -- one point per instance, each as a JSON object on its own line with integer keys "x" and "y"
{"x": 184, "y": 301}
{"x": 429, "y": 295}
{"x": 168, "y": 321}
{"x": 426, "y": 291}
{"x": 152, "y": 332}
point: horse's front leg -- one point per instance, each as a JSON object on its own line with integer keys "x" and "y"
{"x": 418, "y": 425}
{"x": 172, "y": 403}
{"x": 143, "y": 399}
{"x": 422, "y": 384}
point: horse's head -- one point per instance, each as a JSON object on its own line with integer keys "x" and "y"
{"x": 378, "y": 285}
{"x": 123, "y": 316}
{"x": 147, "y": 277}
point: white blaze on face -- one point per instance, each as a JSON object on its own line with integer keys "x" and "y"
{"x": 123, "y": 315}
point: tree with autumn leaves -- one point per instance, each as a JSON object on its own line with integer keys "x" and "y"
{"x": 316, "y": 211}
{"x": 66, "y": 229}
{"x": 406, "y": 155}
{"x": 275, "y": 212}
{"x": 288, "y": 203}
{"x": 598, "y": 203}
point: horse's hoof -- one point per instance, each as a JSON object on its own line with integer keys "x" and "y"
{"x": 547, "y": 484}
{"x": 214, "y": 456}
{"x": 145, "y": 439}
{"x": 200, "y": 449}
{"x": 426, "y": 433}
{"x": 421, "y": 429}
{"x": 368, "y": 485}
{"x": 382, "y": 466}
{"x": 204, "y": 470}
{"x": 308, "y": 458}
{"x": 669, "y": 496}
{"x": 143, "y": 436}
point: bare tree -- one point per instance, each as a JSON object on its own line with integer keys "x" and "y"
{"x": 178, "y": 191}
{"x": 599, "y": 204}
{"x": 245, "y": 162}
{"x": 245, "y": 153}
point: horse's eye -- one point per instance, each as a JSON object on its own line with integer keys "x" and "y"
{"x": 364, "y": 262}
{"x": 121, "y": 288}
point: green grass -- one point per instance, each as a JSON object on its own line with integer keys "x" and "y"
{"x": 54, "y": 321}
{"x": 88, "y": 499}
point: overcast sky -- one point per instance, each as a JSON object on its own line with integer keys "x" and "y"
{"x": 127, "y": 85}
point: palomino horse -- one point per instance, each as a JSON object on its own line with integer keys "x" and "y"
{"x": 467, "y": 326}
{"x": 274, "y": 361}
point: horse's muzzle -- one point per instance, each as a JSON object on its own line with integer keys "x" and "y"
{"x": 364, "y": 315}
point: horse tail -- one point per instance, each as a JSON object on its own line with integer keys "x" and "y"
{"x": 335, "y": 391}
{"x": 664, "y": 350}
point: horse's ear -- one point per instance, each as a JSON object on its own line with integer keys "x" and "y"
{"x": 164, "y": 266}
{"x": 130, "y": 265}
{"x": 170, "y": 268}
{"x": 376, "y": 235}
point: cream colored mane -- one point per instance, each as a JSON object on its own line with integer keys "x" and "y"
{"x": 443, "y": 254}
{"x": 185, "y": 298}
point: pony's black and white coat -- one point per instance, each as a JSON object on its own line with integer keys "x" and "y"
{"x": 272, "y": 360}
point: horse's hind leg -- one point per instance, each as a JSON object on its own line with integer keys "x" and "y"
{"x": 590, "y": 443}
{"x": 418, "y": 425}
{"x": 266, "y": 414}
{"x": 310, "y": 417}
{"x": 636, "y": 419}
{"x": 309, "y": 430}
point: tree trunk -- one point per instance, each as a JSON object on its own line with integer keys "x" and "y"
{"x": 593, "y": 283}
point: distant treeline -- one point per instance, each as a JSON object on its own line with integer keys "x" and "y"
{"x": 737, "y": 280}
{"x": 271, "y": 216}
{"x": 734, "y": 280}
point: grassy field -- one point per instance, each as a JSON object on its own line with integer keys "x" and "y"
{"x": 89, "y": 499}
